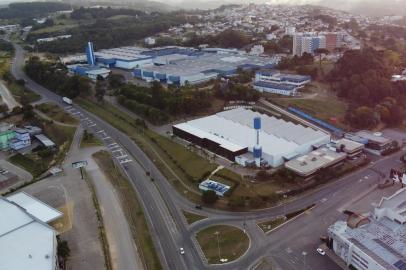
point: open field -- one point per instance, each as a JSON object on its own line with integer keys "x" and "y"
{"x": 319, "y": 102}
{"x": 191, "y": 217}
{"x": 56, "y": 113}
{"x": 231, "y": 241}
{"x": 132, "y": 209}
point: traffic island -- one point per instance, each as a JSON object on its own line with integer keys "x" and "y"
{"x": 192, "y": 217}
{"x": 222, "y": 243}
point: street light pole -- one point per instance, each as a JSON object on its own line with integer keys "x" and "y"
{"x": 304, "y": 253}
{"x": 284, "y": 204}
{"x": 218, "y": 243}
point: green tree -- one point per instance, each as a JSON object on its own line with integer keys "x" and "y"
{"x": 209, "y": 197}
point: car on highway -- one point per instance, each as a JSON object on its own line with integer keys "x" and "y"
{"x": 198, "y": 206}
{"x": 182, "y": 251}
{"x": 321, "y": 252}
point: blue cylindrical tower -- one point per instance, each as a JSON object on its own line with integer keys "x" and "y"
{"x": 257, "y": 123}
{"x": 257, "y": 151}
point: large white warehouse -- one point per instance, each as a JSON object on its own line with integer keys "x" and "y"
{"x": 232, "y": 135}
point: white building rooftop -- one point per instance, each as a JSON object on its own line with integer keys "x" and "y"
{"x": 25, "y": 241}
{"x": 35, "y": 207}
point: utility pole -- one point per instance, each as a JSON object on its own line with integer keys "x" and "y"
{"x": 218, "y": 243}
{"x": 284, "y": 204}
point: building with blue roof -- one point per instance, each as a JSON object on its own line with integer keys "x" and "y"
{"x": 272, "y": 81}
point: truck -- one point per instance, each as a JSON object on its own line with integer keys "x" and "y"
{"x": 67, "y": 100}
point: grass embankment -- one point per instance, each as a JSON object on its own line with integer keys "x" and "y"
{"x": 269, "y": 225}
{"x": 132, "y": 209}
{"x": 89, "y": 140}
{"x": 56, "y": 113}
{"x": 41, "y": 159}
{"x": 232, "y": 241}
{"x": 182, "y": 167}
{"x": 191, "y": 217}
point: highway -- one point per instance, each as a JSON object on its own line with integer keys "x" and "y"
{"x": 163, "y": 205}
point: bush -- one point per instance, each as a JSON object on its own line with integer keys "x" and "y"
{"x": 256, "y": 202}
{"x": 236, "y": 201}
{"x": 209, "y": 197}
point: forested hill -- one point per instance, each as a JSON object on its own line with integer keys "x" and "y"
{"x": 31, "y": 9}
{"x": 106, "y": 33}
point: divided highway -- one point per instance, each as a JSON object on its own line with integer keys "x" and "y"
{"x": 163, "y": 205}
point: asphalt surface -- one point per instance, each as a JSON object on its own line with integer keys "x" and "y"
{"x": 162, "y": 204}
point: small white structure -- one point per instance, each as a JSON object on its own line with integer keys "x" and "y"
{"x": 217, "y": 187}
{"x": 257, "y": 50}
{"x": 150, "y": 41}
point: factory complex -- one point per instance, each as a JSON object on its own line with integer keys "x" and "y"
{"x": 232, "y": 134}
{"x": 171, "y": 64}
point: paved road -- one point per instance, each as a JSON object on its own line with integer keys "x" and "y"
{"x": 124, "y": 254}
{"x": 162, "y": 205}
{"x": 7, "y": 97}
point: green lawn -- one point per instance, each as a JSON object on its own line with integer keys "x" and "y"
{"x": 56, "y": 113}
{"x": 232, "y": 241}
{"x": 132, "y": 209}
{"x": 191, "y": 217}
{"x": 28, "y": 163}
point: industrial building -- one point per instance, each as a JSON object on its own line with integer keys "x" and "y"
{"x": 278, "y": 83}
{"x": 26, "y": 240}
{"x": 375, "y": 241}
{"x": 201, "y": 67}
{"x": 232, "y": 134}
{"x": 316, "y": 160}
{"x": 171, "y": 64}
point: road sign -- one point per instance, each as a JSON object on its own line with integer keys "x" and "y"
{"x": 79, "y": 164}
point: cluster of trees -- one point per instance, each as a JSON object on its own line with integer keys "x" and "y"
{"x": 31, "y": 9}
{"x": 284, "y": 45}
{"x": 227, "y": 39}
{"x": 6, "y": 46}
{"x": 102, "y": 13}
{"x": 156, "y": 103}
{"x": 301, "y": 64}
{"x": 55, "y": 78}
{"x": 231, "y": 90}
{"x": 330, "y": 20}
{"x": 110, "y": 33}
{"x": 363, "y": 78}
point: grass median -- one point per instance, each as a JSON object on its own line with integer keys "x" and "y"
{"x": 192, "y": 217}
{"x": 222, "y": 242}
{"x": 132, "y": 209}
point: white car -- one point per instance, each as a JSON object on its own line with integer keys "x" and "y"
{"x": 182, "y": 251}
{"x": 321, "y": 252}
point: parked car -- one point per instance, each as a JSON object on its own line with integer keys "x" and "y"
{"x": 182, "y": 251}
{"x": 198, "y": 206}
{"x": 321, "y": 252}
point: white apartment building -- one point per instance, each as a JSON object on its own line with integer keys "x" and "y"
{"x": 307, "y": 42}
{"x": 376, "y": 241}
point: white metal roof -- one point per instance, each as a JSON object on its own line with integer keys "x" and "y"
{"x": 25, "y": 242}
{"x": 44, "y": 140}
{"x": 35, "y": 207}
{"x": 235, "y": 126}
